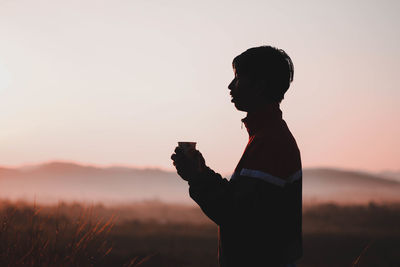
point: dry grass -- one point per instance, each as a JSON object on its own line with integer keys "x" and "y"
{"x": 356, "y": 262}
{"x": 29, "y": 238}
{"x": 79, "y": 235}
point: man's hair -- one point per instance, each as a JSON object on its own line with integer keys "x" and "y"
{"x": 269, "y": 64}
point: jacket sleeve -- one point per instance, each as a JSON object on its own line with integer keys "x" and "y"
{"x": 239, "y": 199}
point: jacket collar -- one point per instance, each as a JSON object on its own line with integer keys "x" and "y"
{"x": 255, "y": 121}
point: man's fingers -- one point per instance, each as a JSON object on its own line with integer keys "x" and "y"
{"x": 173, "y": 157}
{"x": 178, "y": 150}
{"x": 177, "y": 161}
{"x": 177, "y": 157}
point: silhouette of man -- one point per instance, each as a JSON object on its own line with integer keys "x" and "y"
{"x": 259, "y": 210}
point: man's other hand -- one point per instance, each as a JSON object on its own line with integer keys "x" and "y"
{"x": 188, "y": 165}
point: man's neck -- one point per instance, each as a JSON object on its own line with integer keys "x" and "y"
{"x": 262, "y": 108}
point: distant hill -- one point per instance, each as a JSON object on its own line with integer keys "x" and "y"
{"x": 342, "y": 186}
{"x": 394, "y": 175}
{"x": 54, "y": 181}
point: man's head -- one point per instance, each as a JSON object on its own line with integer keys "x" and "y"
{"x": 262, "y": 75}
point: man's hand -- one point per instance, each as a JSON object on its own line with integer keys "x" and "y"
{"x": 188, "y": 165}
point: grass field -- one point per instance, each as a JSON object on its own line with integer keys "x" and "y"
{"x": 156, "y": 234}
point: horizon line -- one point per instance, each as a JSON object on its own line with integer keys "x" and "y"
{"x": 156, "y": 167}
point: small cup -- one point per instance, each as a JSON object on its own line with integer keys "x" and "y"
{"x": 187, "y": 146}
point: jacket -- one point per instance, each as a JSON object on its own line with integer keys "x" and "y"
{"x": 259, "y": 210}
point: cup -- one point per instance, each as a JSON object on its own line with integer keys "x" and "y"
{"x": 187, "y": 146}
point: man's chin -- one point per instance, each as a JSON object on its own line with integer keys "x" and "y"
{"x": 239, "y": 107}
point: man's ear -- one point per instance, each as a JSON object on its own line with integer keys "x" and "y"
{"x": 260, "y": 87}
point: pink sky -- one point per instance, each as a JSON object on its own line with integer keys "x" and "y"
{"x": 120, "y": 82}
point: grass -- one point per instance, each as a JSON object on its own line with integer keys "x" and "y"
{"x": 29, "y": 239}
{"x": 79, "y": 235}
{"x": 357, "y": 260}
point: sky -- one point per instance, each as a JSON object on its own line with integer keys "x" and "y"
{"x": 121, "y": 82}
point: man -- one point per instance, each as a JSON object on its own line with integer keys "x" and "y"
{"x": 259, "y": 210}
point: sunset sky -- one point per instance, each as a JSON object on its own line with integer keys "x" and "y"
{"x": 121, "y": 82}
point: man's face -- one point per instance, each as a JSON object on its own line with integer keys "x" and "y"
{"x": 244, "y": 92}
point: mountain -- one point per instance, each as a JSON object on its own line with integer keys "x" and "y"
{"x": 343, "y": 186}
{"x": 55, "y": 181}
{"x": 394, "y": 175}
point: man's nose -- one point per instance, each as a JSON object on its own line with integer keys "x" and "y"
{"x": 230, "y": 86}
